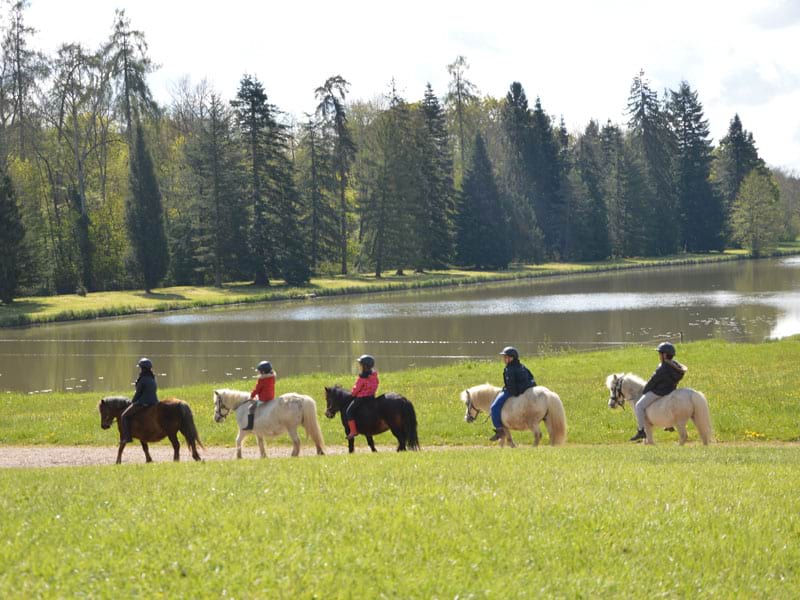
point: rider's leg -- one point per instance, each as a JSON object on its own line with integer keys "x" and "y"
{"x": 495, "y": 410}
{"x": 639, "y": 409}
{"x": 251, "y": 415}
{"x": 350, "y": 417}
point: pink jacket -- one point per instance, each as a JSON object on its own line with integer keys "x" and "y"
{"x": 365, "y": 386}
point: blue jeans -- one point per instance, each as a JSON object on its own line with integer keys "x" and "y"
{"x": 497, "y": 408}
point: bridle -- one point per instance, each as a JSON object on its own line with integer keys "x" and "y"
{"x": 219, "y": 407}
{"x": 616, "y": 398}
{"x": 471, "y": 407}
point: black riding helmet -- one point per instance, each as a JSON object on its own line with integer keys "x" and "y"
{"x": 667, "y": 349}
{"x": 366, "y": 360}
{"x": 510, "y": 351}
{"x": 264, "y": 367}
{"x": 144, "y": 363}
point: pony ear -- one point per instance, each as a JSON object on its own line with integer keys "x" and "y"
{"x": 327, "y": 389}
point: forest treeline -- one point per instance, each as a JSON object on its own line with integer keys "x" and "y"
{"x": 102, "y": 188}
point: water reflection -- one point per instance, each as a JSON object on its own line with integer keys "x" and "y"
{"x": 743, "y": 301}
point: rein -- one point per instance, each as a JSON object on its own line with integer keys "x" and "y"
{"x": 218, "y": 405}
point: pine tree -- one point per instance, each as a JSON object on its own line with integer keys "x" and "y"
{"x": 482, "y": 229}
{"x": 547, "y": 171}
{"x": 589, "y": 164}
{"x": 736, "y": 156}
{"x": 12, "y": 234}
{"x": 145, "y": 215}
{"x": 436, "y": 219}
{"x": 701, "y": 211}
{"x": 653, "y": 140}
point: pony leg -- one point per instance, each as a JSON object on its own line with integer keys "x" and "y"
{"x": 146, "y": 449}
{"x": 648, "y": 431}
{"x": 371, "y": 443}
{"x": 239, "y": 439}
{"x": 119, "y": 452}
{"x": 261, "y": 449}
{"x": 176, "y": 447}
{"x": 295, "y": 441}
{"x": 537, "y": 435}
{"x": 684, "y": 435}
{"x": 510, "y": 439}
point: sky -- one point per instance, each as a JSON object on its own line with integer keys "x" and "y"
{"x": 578, "y": 56}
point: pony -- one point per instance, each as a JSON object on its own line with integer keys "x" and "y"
{"x": 387, "y": 412}
{"x": 161, "y": 420}
{"x": 672, "y": 410}
{"x": 284, "y": 413}
{"x": 525, "y": 411}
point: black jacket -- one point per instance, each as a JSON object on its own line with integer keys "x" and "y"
{"x": 666, "y": 378}
{"x": 146, "y": 390}
{"x": 517, "y": 378}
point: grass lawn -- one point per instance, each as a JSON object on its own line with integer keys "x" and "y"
{"x": 597, "y": 518}
{"x": 41, "y": 309}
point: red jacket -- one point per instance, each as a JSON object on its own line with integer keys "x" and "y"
{"x": 366, "y": 386}
{"x": 265, "y": 388}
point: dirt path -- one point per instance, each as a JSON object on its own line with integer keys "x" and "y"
{"x": 74, "y": 456}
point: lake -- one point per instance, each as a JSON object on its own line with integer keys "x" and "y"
{"x": 746, "y": 301}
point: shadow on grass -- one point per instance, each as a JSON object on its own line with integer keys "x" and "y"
{"x": 160, "y": 296}
{"x": 18, "y": 307}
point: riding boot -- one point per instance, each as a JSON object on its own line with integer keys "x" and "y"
{"x": 639, "y": 436}
{"x": 250, "y": 418}
{"x": 669, "y": 429}
{"x": 499, "y": 434}
{"x": 352, "y": 425}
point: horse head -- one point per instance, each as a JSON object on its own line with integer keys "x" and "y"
{"x": 220, "y": 410}
{"x": 334, "y": 399}
{"x": 472, "y": 410}
{"x": 110, "y": 408}
{"x": 614, "y": 384}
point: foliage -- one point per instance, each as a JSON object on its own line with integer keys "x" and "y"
{"x": 12, "y": 234}
{"x": 756, "y": 218}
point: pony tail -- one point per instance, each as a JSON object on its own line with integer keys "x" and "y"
{"x": 702, "y": 417}
{"x": 556, "y": 420}
{"x": 410, "y": 425}
{"x": 188, "y": 428}
{"x": 311, "y": 423}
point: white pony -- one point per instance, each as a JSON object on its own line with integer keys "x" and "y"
{"x": 272, "y": 418}
{"x": 672, "y": 410}
{"x": 525, "y": 411}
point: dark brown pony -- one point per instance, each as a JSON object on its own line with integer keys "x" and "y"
{"x": 388, "y": 412}
{"x": 153, "y": 424}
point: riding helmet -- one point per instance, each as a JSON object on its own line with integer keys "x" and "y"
{"x": 511, "y": 351}
{"x": 144, "y": 363}
{"x": 366, "y": 360}
{"x": 264, "y": 367}
{"x": 667, "y": 349}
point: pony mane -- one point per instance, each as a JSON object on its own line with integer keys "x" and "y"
{"x": 635, "y": 378}
{"x": 479, "y": 391}
{"x": 115, "y": 402}
{"x": 629, "y": 376}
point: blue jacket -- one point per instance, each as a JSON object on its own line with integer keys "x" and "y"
{"x": 146, "y": 390}
{"x": 517, "y": 378}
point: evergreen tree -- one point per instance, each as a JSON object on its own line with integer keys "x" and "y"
{"x": 331, "y": 109}
{"x": 701, "y": 211}
{"x": 654, "y": 141}
{"x": 260, "y": 132}
{"x": 438, "y": 204}
{"x": 589, "y": 164}
{"x": 461, "y": 94}
{"x": 756, "y": 218}
{"x": 736, "y": 156}
{"x": 145, "y": 215}
{"x": 482, "y": 229}
{"x": 12, "y": 234}
{"x": 220, "y": 225}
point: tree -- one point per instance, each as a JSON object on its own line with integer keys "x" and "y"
{"x": 482, "y": 229}
{"x": 145, "y": 215}
{"x": 589, "y": 163}
{"x": 736, "y": 156}
{"x": 700, "y": 207}
{"x": 435, "y": 224}
{"x": 331, "y": 110}
{"x": 255, "y": 117}
{"x": 461, "y": 93}
{"x": 756, "y": 218}
{"x": 12, "y": 234}
{"x": 127, "y": 58}
{"x": 654, "y": 141}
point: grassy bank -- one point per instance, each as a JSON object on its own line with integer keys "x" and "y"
{"x": 574, "y": 522}
{"x": 753, "y": 392}
{"x": 31, "y": 310}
